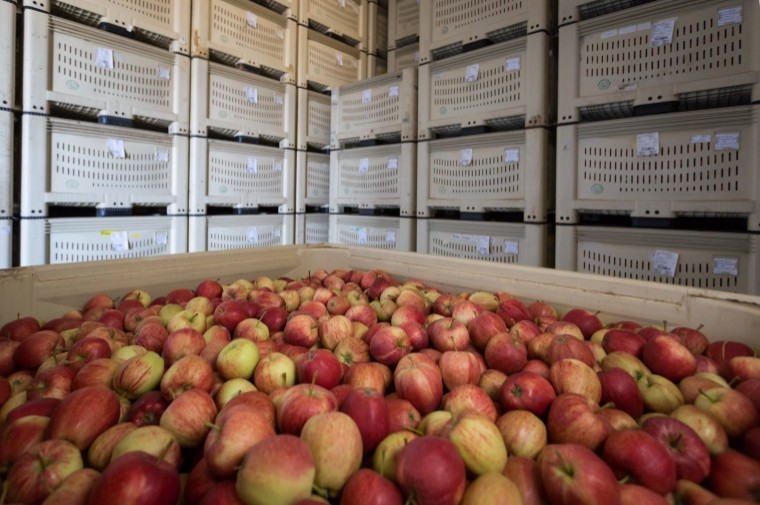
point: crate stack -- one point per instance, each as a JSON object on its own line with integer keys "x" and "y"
{"x": 333, "y": 39}
{"x": 104, "y": 130}
{"x": 486, "y": 110}
{"x": 7, "y": 120}
{"x": 242, "y": 125}
{"x": 658, "y": 165}
{"x": 377, "y": 48}
{"x": 373, "y": 161}
{"x": 403, "y": 34}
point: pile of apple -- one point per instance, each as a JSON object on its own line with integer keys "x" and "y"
{"x": 349, "y": 387}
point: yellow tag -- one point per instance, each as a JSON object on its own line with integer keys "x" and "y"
{"x": 106, "y": 233}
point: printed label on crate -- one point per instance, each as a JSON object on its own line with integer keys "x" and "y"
{"x": 251, "y": 19}
{"x": 104, "y": 57}
{"x": 362, "y": 235}
{"x": 393, "y": 91}
{"x": 366, "y": 96}
{"x": 253, "y": 235}
{"x": 700, "y": 139}
{"x": 280, "y": 34}
{"x": 252, "y": 94}
{"x": 342, "y": 4}
{"x": 392, "y": 164}
{"x": 471, "y": 72}
{"x": 648, "y": 144}
{"x": 511, "y": 247}
{"x": 463, "y": 238}
{"x": 643, "y": 26}
{"x": 726, "y": 266}
{"x": 465, "y": 157}
{"x": 609, "y": 33}
{"x": 278, "y": 99}
{"x": 511, "y": 155}
{"x": 390, "y": 236}
{"x": 160, "y": 238}
{"x": 116, "y": 148}
{"x": 5, "y": 228}
{"x": 416, "y": 56}
{"x": 627, "y": 29}
{"x": 165, "y": 73}
{"x": 512, "y": 64}
{"x": 339, "y": 59}
{"x": 730, "y": 16}
{"x": 725, "y": 141}
{"x": 277, "y": 165}
{"x": 252, "y": 165}
{"x": 662, "y": 32}
{"x": 665, "y": 263}
{"x": 162, "y": 155}
{"x": 276, "y": 233}
{"x": 363, "y": 165}
{"x": 119, "y": 241}
{"x": 483, "y": 245}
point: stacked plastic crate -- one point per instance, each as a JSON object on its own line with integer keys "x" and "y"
{"x": 373, "y": 162}
{"x": 377, "y": 32}
{"x": 486, "y": 110}
{"x": 403, "y": 34}
{"x": 658, "y": 168}
{"x": 332, "y": 51}
{"x": 104, "y": 130}
{"x": 242, "y": 125}
{"x": 7, "y": 120}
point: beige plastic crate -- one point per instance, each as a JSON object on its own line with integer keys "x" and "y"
{"x": 240, "y": 176}
{"x": 325, "y": 63}
{"x": 699, "y": 163}
{"x": 404, "y": 57}
{"x": 71, "y": 240}
{"x": 374, "y": 178}
{"x": 403, "y": 23}
{"x": 7, "y": 56}
{"x": 221, "y": 233}
{"x": 571, "y": 11}
{"x": 512, "y": 243}
{"x": 381, "y": 108}
{"x": 75, "y": 163}
{"x": 699, "y": 53}
{"x": 164, "y": 23}
{"x": 343, "y": 19}
{"x": 494, "y": 172}
{"x": 239, "y": 32}
{"x": 312, "y": 228}
{"x": 448, "y": 26}
{"x": 710, "y": 260}
{"x": 386, "y": 233}
{"x": 377, "y": 30}
{"x": 288, "y": 8}
{"x": 313, "y": 120}
{"x": 94, "y": 73}
{"x": 234, "y": 103}
{"x": 376, "y": 66}
{"x": 6, "y": 188}
{"x": 312, "y": 180}
{"x": 504, "y": 86}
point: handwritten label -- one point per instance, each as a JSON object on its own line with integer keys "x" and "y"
{"x": 627, "y": 29}
{"x": 165, "y": 73}
{"x": 253, "y": 165}
{"x": 465, "y": 157}
{"x": 392, "y": 91}
{"x": 700, "y": 139}
{"x": 609, "y": 33}
{"x": 662, "y": 32}
{"x": 162, "y": 155}
{"x": 512, "y": 64}
{"x": 730, "y": 16}
{"x": 390, "y": 236}
{"x": 104, "y": 57}
{"x": 511, "y": 155}
{"x": 511, "y": 247}
{"x": 726, "y": 266}
{"x": 471, "y": 73}
{"x": 253, "y": 235}
{"x": 483, "y": 245}
{"x": 363, "y": 165}
{"x": 119, "y": 241}
{"x": 725, "y": 141}
{"x": 116, "y": 148}
{"x": 252, "y": 94}
{"x": 648, "y": 144}
{"x": 366, "y": 96}
{"x": 251, "y": 19}
{"x": 160, "y": 238}
{"x": 392, "y": 163}
{"x": 665, "y": 263}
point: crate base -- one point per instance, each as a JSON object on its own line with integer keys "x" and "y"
{"x": 396, "y": 234}
{"x": 312, "y": 228}
{"x": 218, "y": 233}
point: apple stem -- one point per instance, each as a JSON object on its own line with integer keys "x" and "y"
{"x": 414, "y": 430}
{"x": 412, "y": 498}
{"x": 212, "y": 426}
{"x": 324, "y": 493}
{"x": 734, "y": 381}
{"x": 4, "y": 492}
{"x": 608, "y": 405}
{"x": 700, "y": 326}
{"x": 664, "y": 325}
{"x": 453, "y": 343}
{"x": 165, "y": 450}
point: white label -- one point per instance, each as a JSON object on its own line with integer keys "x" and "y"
{"x": 116, "y": 148}
{"x": 278, "y": 99}
{"x": 160, "y": 238}
{"x": 276, "y": 233}
{"x": 465, "y": 157}
{"x": 662, "y": 32}
{"x": 277, "y": 166}
{"x": 643, "y": 26}
{"x": 725, "y": 141}
{"x": 253, "y": 235}
{"x": 730, "y": 16}
{"x": 648, "y": 144}
{"x": 512, "y": 64}
{"x": 165, "y": 73}
{"x": 628, "y": 86}
{"x": 342, "y": 3}
{"x": 339, "y": 59}
{"x": 627, "y": 29}
{"x": 119, "y": 241}
{"x": 511, "y": 247}
{"x": 511, "y": 155}
{"x": 437, "y": 75}
{"x": 162, "y": 155}
{"x": 363, "y": 165}
{"x": 726, "y": 266}
{"x": 390, "y": 236}
{"x": 392, "y": 163}
{"x": 483, "y": 247}
{"x": 182, "y": 40}
{"x": 700, "y": 139}
{"x": 104, "y": 57}
{"x": 417, "y": 56}
{"x": 5, "y": 228}
{"x": 280, "y": 34}
{"x": 393, "y": 91}
{"x": 253, "y": 165}
{"x": 664, "y": 263}
{"x": 251, "y": 19}
{"x": 366, "y": 96}
{"x": 471, "y": 73}
{"x": 362, "y": 233}
{"x": 609, "y": 33}
{"x": 252, "y": 94}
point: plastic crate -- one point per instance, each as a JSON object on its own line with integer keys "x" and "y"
{"x": 403, "y": 23}
{"x": 513, "y": 243}
{"x": 325, "y": 63}
{"x": 74, "y": 164}
{"x": 221, "y": 233}
{"x": 571, "y": 11}
{"x": 494, "y": 172}
{"x": 699, "y": 163}
{"x": 377, "y": 30}
{"x": 239, "y": 32}
{"x": 243, "y": 177}
{"x": 288, "y": 8}
{"x": 659, "y": 56}
{"x": 94, "y": 73}
{"x": 312, "y": 180}
{"x": 6, "y": 188}
{"x": 376, "y": 66}
{"x": 342, "y": 19}
{"x": 711, "y": 260}
{"x": 381, "y": 108}
{"x": 164, "y": 23}
{"x": 404, "y": 57}
{"x": 7, "y": 56}
{"x": 374, "y": 177}
{"x": 312, "y": 228}
{"x": 70, "y": 240}
{"x": 387, "y": 233}
{"x": 450, "y": 26}
{"x": 504, "y": 86}
{"x": 234, "y": 103}
{"x": 313, "y": 120}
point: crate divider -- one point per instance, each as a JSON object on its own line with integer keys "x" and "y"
{"x": 403, "y": 24}
{"x": 404, "y": 57}
{"x": 312, "y": 180}
{"x": 313, "y": 131}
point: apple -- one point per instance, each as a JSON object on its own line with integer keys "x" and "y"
{"x": 484, "y": 300}
{"x": 627, "y": 362}
{"x": 18, "y": 436}
{"x": 434, "y": 423}
{"x": 751, "y": 443}
{"x": 525, "y": 330}
{"x": 478, "y": 442}
{"x": 619, "y": 388}
{"x": 734, "y": 475}
{"x": 237, "y": 359}
{"x": 448, "y": 334}
{"x": 279, "y": 469}
{"x": 54, "y": 382}
{"x": 743, "y": 367}
{"x": 623, "y": 340}
{"x": 565, "y": 328}
{"x": 459, "y": 367}
{"x": 540, "y": 308}
{"x": 7, "y": 348}
{"x": 491, "y": 489}
{"x": 152, "y": 337}
{"x": 229, "y": 313}
{"x": 587, "y": 322}
{"x": 525, "y": 473}
{"x": 39, "y": 471}
{"x": 251, "y": 329}
{"x": 634, "y": 494}
{"x": 230, "y": 390}
{"x": 659, "y": 394}
{"x": 692, "y": 386}
{"x": 94, "y": 373}
{"x": 572, "y": 473}
{"x": 733, "y": 410}
{"x": 100, "y": 451}
{"x": 469, "y": 397}
{"x": 418, "y": 335}
{"x": 86, "y": 350}
{"x": 722, "y": 351}
{"x": 687, "y": 492}
{"x": 138, "y": 375}
{"x": 301, "y": 329}
{"x": 317, "y": 310}
{"x": 687, "y": 450}
{"x": 389, "y": 345}
{"x": 574, "y": 376}
{"x": 574, "y": 419}
{"x": 189, "y": 372}
{"x": 385, "y": 456}
{"x": 523, "y": 432}
{"x": 707, "y": 427}
{"x": 506, "y": 353}
{"x": 406, "y": 314}
{"x": 402, "y": 415}
{"x": 235, "y": 431}
{"x": 334, "y": 330}
{"x": 75, "y": 419}
{"x": 430, "y": 470}
{"x": 751, "y": 389}
{"x": 367, "y": 487}
{"x": 352, "y": 350}
{"x": 484, "y": 327}
{"x": 182, "y": 342}
{"x": 491, "y": 382}
{"x": 35, "y": 349}
{"x": 321, "y": 367}
{"x": 528, "y": 391}
{"x": 187, "y": 417}
{"x": 255, "y": 400}
{"x": 637, "y": 454}
{"x": 209, "y": 288}
{"x": 512, "y": 311}
{"x": 567, "y": 346}
{"x": 466, "y": 310}
{"x": 418, "y": 379}
{"x": 371, "y": 375}
{"x": 664, "y": 355}
{"x": 14, "y": 409}
{"x": 20, "y": 328}
{"x": 75, "y": 489}
{"x": 273, "y": 371}
{"x": 693, "y": 339}
{"x": 369, "y": 411}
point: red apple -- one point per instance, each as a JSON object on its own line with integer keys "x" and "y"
{"x": 418, "y": 379}
{"x": 687, "y": 450}
{"x": 637, "y": 454}
{"x": 693, "y": 339}
{"x": 235, "y": 432}
{"x": 664, "y": 355}
{"x": 529, "y": 391}
{"x": 459, "y": 367}
{"x": 525, "y": 473}
{"x": 138, "y": 375}
{"x": 367, "y": 487}
{"x": 751, "y": 389}
{"x": 523, "y": 432}
{"x": 20, "y": 328}
{"x": 469, "y": 398}
{"x": 402, "y": 415}
{"x": 722, "y": 351}
{"x": 301, "y": 330}
{"x": 75, "y": 419}
{"x": 705, "y": 425}
{"x": 491, "y": 382}
{"x": 255, "y": 400}
{"x": 574, "y": 376}
{"x": 619, "y": 388}
{"x": 229, "y": 313}
{"x": 588, "y": 322}
{"x": 732, "y": 409}
{"x": 540, "y": 308}
{"x": 251, "y": 329}
{"x": 574, "y": 419}
{"x": 18, "y": 436}
{"x": 301, "y": 402}
{"x": 351, "y": 351}
{"x": 334, "y": 330}
{"x": 448, "y": 334}
{"x": 209, "y": 288}
{"x": 525, "y": 330}
{"x": 506, "y": 353}
{"x": 39, "y": 471}
{"x": 735, "y": 475}
{"x": 273, "y": 371}
{"x": 430, "y": 469}
{"x": 485, "y": 326}
{"x": 633, "y": 494}
{"x": 573, "y": 474}
{"x": 512, "y": 311}
{"x": 743, "y": 368}
{"x": 321, "y": 367}
{"x": 54, "y": 382}
{"x": 183, "y": 342}
{"x": 188, "y": 372}
{"x": 389, "y": 345}
{"x": 36, "y": 348}
{"x": 370, "y": 375}
{"x": 567, "y": 346}
{"x": 369, "y": 411}
{"x": 751, "y": 443}
{"x": 147, "y": 409}
{"x": 623, "y": 340}
{"x": 188, "y": 417}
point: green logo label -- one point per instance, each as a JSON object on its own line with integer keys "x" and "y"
{"x": 223, "y": 189}
{"x": 225, "y": 39}
{"x": 445, "y": 30}
{"x": 597, "y": 189}
{"x": 442, "y": 190}
{"x": 72, "y": 85}
{"x": 443, "y": 110}
{"x": 222, "y": 114}
{"x": 72, "y": 184}
{"x": 604, "y": 84}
